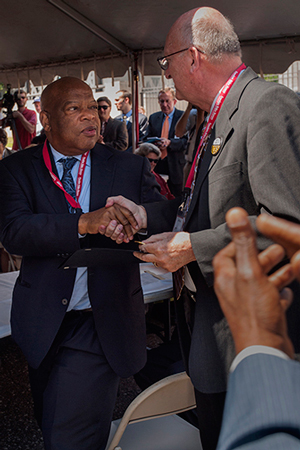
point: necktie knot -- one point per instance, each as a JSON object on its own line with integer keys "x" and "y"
{"x": 68, "y": 163}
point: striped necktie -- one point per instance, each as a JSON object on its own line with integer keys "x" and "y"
{"x": 67, "y": 178}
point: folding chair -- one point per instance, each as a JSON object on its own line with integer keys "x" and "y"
{"x": 166, "y": 431}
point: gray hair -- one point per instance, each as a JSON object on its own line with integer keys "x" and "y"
{"x": 146, "y": 148}
{"x": 215, "y": 36}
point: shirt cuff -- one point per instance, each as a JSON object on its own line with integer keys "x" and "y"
{"x": 253, "y": 350}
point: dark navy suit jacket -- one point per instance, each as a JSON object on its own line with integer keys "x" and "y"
{"x": 35, "y": 223}
{"x": 173, "y": 164}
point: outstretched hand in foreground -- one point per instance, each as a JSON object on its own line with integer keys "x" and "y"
{"x": 253, "y": 302}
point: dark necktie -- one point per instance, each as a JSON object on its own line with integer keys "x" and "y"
{"x": 67, "y": 179}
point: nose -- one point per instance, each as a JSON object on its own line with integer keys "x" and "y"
{"x": 167, "y": 73}
{"x": 89, "y": 114}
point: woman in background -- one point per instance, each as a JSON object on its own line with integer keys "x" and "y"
{"x": 153, "y": 153}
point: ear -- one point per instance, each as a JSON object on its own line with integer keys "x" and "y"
{"x": 44, "y": 119}
{"x": 175, "y": 101}
{"x": 195, "y": 59}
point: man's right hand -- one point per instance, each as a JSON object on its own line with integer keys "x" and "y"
{"x": 115, "y": 221}
{"x": 137, "y": 211}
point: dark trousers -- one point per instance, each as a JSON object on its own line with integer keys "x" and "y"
{"x": 210, "y": 412}
{"x": 75, "y": 389}
{"x": 209, "y": 406}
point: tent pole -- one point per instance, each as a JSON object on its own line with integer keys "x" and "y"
{"x": 135, "y": 101}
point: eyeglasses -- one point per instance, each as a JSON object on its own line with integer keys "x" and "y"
{"x": 163, "y": 60}
{"x": 155, "y": 161}
{"x": 105, "y": 107}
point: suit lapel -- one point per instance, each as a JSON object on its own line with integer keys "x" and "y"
{"x": 222, "y": 130}
{"x": 160, "y": 119}
{"x": 173, "y": 124}
{"x": 102, "y": 176}
{"x": 107, "y": 128}
{"x": 52, "y": 192}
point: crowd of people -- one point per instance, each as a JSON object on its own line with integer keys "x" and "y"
{"x": 232, "y": 162}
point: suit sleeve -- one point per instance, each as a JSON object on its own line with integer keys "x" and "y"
{"x": 26, "y": 233}
{"x": 143, "y": 126}
{"x": 178, "y": 144}
{"x": 262, "y": 408}
{"x": 272, "y": 145}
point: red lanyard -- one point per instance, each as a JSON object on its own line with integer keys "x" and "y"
{"x": 213, "y": 116}
{"x": 74, "y": 203}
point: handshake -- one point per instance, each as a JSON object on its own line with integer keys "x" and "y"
{"x": 119, "y": 220}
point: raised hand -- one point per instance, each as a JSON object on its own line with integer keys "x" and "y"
{"x": 253, "y": 302}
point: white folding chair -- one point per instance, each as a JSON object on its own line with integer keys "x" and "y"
{"x": 14, "y": 261}
{"x": 166, "y": 431}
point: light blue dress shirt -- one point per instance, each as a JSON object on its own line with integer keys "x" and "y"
{"x": 80, "y": 297}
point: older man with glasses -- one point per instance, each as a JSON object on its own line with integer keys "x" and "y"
{"x": 113, "y": 132}
{"x": 248, "y": 156}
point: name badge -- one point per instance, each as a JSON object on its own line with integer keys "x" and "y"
{"x": 216, "y": 145}
{"x": 181, "y": 212}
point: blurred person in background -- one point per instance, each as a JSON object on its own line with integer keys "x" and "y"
{"x": 112, "y": 132}
{"x": 153, "y": 154}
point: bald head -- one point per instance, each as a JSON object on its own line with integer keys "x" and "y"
{"x": 70, "y": 116}
{"x": 52, "y": 95}
{"x": 207, "y": 29}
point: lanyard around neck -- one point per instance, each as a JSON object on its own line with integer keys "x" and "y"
{"x": 213, "y": 116}
{"x": 74, "y": 203}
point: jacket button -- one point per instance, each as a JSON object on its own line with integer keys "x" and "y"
{"x": 64, "y": 301}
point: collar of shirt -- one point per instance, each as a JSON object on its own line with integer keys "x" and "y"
{"x": 170, "y": 115}
{"x": 59, "y": 166}
{"x": 129, "y": 114}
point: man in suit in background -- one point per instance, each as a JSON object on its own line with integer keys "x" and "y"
{"x": 80, "y": 329}
{"x": 162, "y": 124}
{"x": 249, "y": 157}
{"x": 262, "y": 409}
{"x": 123, "y": 103}
{"x": 112, "y": 132}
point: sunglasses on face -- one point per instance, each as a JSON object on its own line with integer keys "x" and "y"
{"x": 105, "y": 107}
{"x": 155, "y": 161}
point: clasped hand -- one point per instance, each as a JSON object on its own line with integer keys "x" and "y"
{"x": 114, "y": 221}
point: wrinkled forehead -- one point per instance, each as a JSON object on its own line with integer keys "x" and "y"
{"x": 165, "y": 97}
{"x": 60, "y": 94}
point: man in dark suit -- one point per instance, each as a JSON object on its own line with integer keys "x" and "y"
{"x": 80, "y": 329}
{"x": 250, "y": 158}
{"x": 123, "y": 103}
{"x": 262, "y": 409}
{"x": 162, "y": 124}
{"x": 113, "y": 132}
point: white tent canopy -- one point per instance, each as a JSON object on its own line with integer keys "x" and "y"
{"x": 44, "y": 38}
